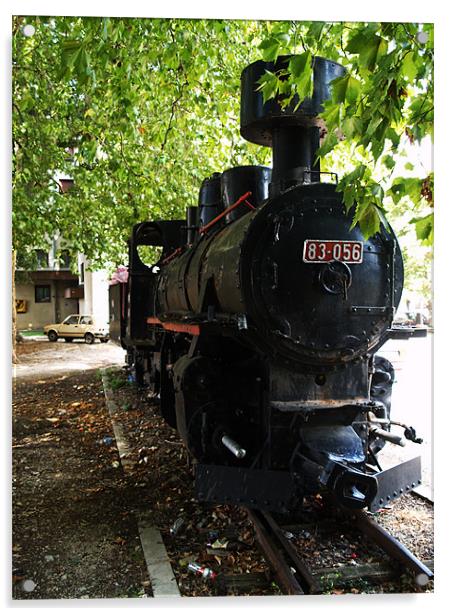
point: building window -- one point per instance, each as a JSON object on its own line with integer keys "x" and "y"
{"x": 43, "y": 259}
{"x": 65, "y": 261}
{"x": 42, "y": 293}
{"x": 82, "y": 273}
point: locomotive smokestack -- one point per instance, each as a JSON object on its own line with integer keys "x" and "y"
{"x": 293, "y": 133}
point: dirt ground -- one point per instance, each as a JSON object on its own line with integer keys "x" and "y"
{"x": 74, "y": 534}
{"x": 75, "y": 511}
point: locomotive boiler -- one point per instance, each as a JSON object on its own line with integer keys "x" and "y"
{"x": 258, "y": 327}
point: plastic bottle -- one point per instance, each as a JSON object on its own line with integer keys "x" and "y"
{"x": 175, "y": 528}
{"x": 205, "y": 572}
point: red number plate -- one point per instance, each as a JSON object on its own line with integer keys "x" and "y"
{"x": 321, "y": 251}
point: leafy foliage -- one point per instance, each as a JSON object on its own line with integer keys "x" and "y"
{"x": 139, "y": 111}
{"x": 385, "y": 97}
{"x": 136, "y": 111}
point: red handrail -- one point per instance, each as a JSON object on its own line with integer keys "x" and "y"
{"x": 240, "y": 200}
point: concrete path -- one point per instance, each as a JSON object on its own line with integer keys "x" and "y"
{"x": 58, "y": 358}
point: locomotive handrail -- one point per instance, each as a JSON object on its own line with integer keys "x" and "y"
{"x": 240, "y": 200}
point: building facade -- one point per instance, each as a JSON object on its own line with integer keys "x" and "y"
{"x": 51, "y": 292}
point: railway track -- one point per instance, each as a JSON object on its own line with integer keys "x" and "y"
{"x": 295, "y": 575}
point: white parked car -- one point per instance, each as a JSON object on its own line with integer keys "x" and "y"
{"x": 77, "y": 326}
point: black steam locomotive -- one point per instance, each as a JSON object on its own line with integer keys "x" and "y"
{"x": 258, "y": 326}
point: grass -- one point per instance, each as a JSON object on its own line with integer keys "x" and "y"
{"x": 31, "y": 332}
{"x": 115, "y": 378}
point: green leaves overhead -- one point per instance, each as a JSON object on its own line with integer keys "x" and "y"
{"x": 136, "y": 111}
{"x": 139, "y": 111}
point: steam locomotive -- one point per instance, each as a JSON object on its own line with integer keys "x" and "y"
{"x": 258, "y": 327}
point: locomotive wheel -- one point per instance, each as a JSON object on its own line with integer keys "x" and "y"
{"x": 52, "y": 336}
{"x": 89, "y": 338}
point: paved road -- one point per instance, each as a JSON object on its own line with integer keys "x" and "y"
{"x": 412, "y": 401}
{"x": 57, "y": 358}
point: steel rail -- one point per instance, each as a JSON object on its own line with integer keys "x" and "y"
{"x": 293, "y": 575}
{"x": 393, "y": 547}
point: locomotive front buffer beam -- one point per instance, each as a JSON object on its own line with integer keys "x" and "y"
{"x": 352, "y": 489}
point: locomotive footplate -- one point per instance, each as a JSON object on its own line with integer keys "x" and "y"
{"x": 396, "y": 481}
{"x": 263, "y": 489}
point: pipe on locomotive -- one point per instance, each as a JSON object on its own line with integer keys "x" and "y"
{"x": 233, "y": 446}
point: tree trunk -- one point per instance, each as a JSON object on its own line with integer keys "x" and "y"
{"x": 13, "y": 307}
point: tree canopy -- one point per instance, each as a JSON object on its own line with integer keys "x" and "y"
{"x": 138, "y": 111}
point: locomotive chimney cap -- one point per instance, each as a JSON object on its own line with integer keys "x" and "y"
{"x": 258, "y": 119}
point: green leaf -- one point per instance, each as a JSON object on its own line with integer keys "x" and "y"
{"x": 315, "y": 29}
{"x": 377, "y": 191}
{"x": 299, "y": 64}
{"x": 369, "y": 220}
{"x": 357, "y": 174}
{"x": 332, "y": 115}
{"x": 352, "y": 126}
{"x": 424, "y": 228}
{"x": 388, "y": 162}
{"x": 398, "y": 190}
{"x": 357, "y": 43}
{"x": 345, "y": 88}
{"x": 375, "y": 48}
{"x": 268, "y": 85}
{"x": 349, "y": 196}
{"x": 270, "y": 49}
{"x": 409, "y": 67}
{"x": 328, "y": 144}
